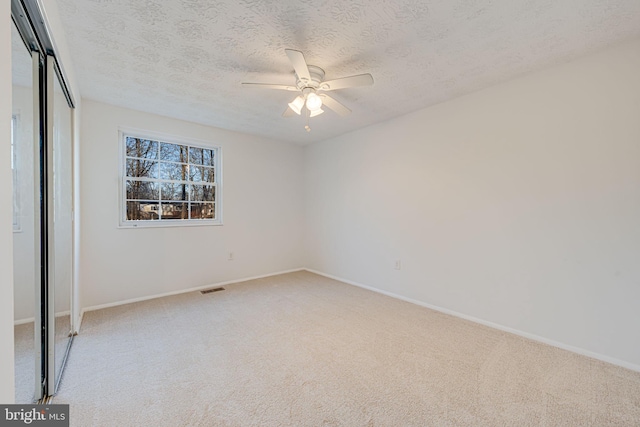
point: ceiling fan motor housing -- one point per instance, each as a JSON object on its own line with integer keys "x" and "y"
{"x": 317, "y": 76}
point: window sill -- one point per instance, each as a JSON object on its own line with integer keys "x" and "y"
{"x": 168, "y": 223}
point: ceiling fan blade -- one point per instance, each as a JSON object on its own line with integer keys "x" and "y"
{"x": 345, "y": 82}
{"x": 334, "y": 105}
{"x": 288, "y": 113}
{"x": 299, "y": 64}
{"x": 269, "y": 86}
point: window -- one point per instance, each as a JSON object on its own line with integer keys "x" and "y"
{"x": 14, "y": 170}
{"x": 166, "y": 181}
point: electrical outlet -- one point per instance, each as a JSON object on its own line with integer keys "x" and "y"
{"x": 398, "y": 265}
{"x": 230, "y": 258}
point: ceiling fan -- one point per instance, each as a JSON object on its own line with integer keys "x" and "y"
{"x": 310, "y": 84}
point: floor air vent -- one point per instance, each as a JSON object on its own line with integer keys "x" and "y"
{"x": 208, "y": 291}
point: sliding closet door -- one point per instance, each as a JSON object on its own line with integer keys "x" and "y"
{"x": 43, "y": 212}
{"x": 62, "y": 186}
{"x": 25, "y": 130}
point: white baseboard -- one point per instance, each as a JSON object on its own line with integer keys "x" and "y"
{"x": 23, "y": 321}
{"x": 181, "y": 291}
{"x": 533, "y": 337}
{"x": 32, "y": 319}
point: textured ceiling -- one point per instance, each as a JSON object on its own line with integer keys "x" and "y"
{"x": 187, "y": 58}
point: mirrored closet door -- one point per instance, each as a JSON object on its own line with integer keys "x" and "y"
{"x": 60, "y": 118}
{"x": 42, "y": 164}
{"x": 26, "y": 259}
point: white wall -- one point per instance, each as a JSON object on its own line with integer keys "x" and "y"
{"x": 6, "y": 212}
{"x": 262, "y": 204}
{"x": 517, "y": 205}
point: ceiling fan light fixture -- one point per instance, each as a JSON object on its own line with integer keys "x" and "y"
{"x": 314, "y": 102}
{"x": 296, "y": 105}
{"x": 313, "y": 113}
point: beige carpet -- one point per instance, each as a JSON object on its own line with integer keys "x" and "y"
{"x": 303, "y": 350}
{"x": 25, "y": 363}
{"x": 24, "y": 356}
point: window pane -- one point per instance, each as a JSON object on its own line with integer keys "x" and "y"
{"x": 175, "y": 210}
{"x": 205, "y": 193}
{"x": 142, "y": 190}
{"x": 208, "y": 157}
{"x": 142, "y": 168}
{"x": 201, "y": 156}
{"x": 142, "y": 210}
{"x": 143, "y": 148}
{"x": 203, "y": 211}
{"x": 173, "y": 152}
{"x": 195, "y": 155}
{"x": 201, "y": 173}
{"x": 174, "y": 171}
{"x": 175, "y": 191}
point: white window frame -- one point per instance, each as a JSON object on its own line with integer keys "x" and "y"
{"x": 123, "y": 222}
{"x": 14, "y": 169}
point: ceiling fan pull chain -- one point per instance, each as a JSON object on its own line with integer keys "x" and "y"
{"x": 307, "y": 128}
